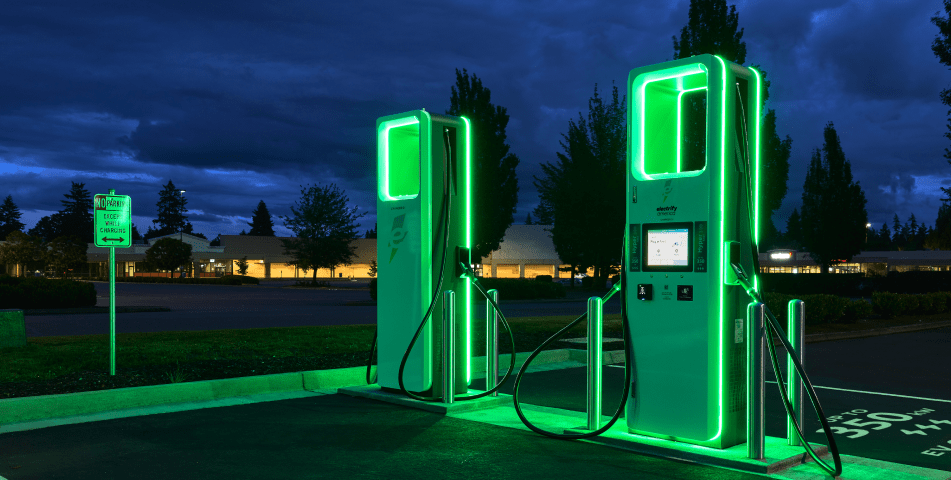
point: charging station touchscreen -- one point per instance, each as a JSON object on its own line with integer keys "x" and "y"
{"x": 668, "y": 247}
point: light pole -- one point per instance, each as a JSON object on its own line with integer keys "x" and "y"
{"x": 181, "y": 229}
{"x": 868, "y": 225}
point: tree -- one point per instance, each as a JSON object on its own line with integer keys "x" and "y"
{"x": 10, "y": 217}
{"x": 370, "y": 233}
{"x": 135, "y": 233}
{"x": 242, "y": 265}
{"x": 940, "y": 239}
{"x": 168, "y": 254}
{"x": 528, "y": 219}
{"x": 593, "y": 163}
{"x": 794, "y": 230}
{"x": 76, "y": 215}
{"x": 324, "y": 226}
{"x": 713, "y": 29}
{"x": 494, "y": 185}
{"x": 941, "y": 47}
{"x": 885, "y": 237}
{"x": 216, "y": 242}
{"x": 74, "y": 219}
{"x": 66, "y": 253}
{"x": 373, "y": 266}
{"x": 543, "y": 214}
{"x": 25, "y": 251}
{"x": 833, "y": 205}
{"x": 48, "y": 227}
{"x": 261, "y": 223}
{"x": 171, "y": 213}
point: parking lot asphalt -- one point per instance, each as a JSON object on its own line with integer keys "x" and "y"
{"x": 322, "y": 436}
{"x": 215, "y": 307}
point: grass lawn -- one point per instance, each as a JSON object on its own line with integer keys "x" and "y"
{"x": 48, "y": 365}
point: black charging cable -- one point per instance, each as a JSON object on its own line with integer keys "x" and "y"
{"x": 619, "y": 287}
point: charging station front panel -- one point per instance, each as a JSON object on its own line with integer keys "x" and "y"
{"x": 687, "y": 199}
{"x": 414, "y": 152}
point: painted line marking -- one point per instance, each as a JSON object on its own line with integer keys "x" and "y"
{"x": 876, "y": 393}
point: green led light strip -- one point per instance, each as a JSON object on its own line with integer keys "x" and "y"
{"x": 757, "y": 108}
{"x": 468, "y": 282}
{"x": 678, "y": 72}
{"x": 722, "y": 243}
{"x": 383, "y": 146}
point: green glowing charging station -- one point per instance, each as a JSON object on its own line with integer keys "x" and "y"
{"x": 421, "y": 158}
{"x": 692, "y": 200}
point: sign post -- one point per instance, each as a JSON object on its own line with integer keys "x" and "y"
{"x": 112, "y": 228}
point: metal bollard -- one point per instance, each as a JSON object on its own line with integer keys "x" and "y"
{"x": 755, "y": 388}
{"x": 448, "y": 346}
{"x": 594, "y": 363}
{"x": 492, "y": 342}
{"x": 795, "y": 328}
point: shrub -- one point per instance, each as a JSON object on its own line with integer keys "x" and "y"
{"x": 25, "y": 293}
{"x": 543, "y": 278}
{"x": 587, "y": 282}
{"x": 523, "y": 289}
{"x": 373, "y": 289}
{"x": 856, "y": 310}
{"x": 909, "y": 304}
{"x": 886, "y": 304}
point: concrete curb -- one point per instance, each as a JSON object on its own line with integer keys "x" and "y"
{"x": 45, "y": 407}
{"x": 826, "y": 337}
{"x": 26, "y": 409}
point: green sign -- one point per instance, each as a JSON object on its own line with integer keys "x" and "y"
{"x": 113, "y": 220}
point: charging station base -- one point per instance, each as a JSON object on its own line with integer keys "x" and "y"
{"x": 374, "y": 392}
{"x": 778, "y": 456}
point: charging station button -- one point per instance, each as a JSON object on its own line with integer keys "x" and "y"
{"x": 645, "y": 291}
{"x": 685, "y": 292}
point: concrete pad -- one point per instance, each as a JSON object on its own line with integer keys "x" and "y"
{"x": 374, "y": 392}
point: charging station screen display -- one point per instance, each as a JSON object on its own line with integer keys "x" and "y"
{"x": 668, "y": 247}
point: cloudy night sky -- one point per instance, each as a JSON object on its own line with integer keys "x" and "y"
{"x": 245, "y": 101}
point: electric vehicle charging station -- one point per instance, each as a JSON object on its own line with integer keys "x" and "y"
{"x": 693, "y": 156}
{"x": 423, "y": 164}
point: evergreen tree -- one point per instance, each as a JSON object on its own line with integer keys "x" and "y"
{"x": 794, "y": 230}
{"x": 171, "y": 212}
{"x": 712, "y": 28}
{"x": 135, "y": 233}
{"x": 494, "y": 185}
{"x": 940, "y": 238}
{"x": 833, "y": 205}
{"x": 216, "y": 242}
{"x": 941, "y": 47}
{"x": 325, "y": 228}
{"x": 543, "y": 214}
{"x": 528, "y": 219}
{"x": 885, "y": 237}
{"x": 261, "y": 223}
{"x": 169, "y": 254}
{"x": 76, "y": 215}
{"x": 10, "y": 217}
{"x": 592, "y": 162}
{"x": 898, "y": 239}
{"x": 371, "y": 233}
{"x": 48, "y": 227}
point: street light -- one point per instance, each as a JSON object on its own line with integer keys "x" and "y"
{"x": 181, "y": 229}
{"x": 867, "y": 226}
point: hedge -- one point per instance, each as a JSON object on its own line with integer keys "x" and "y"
{"x": 32, "y": 292}
{"x": 855, "y": 284}
{"x": 820, "y": 308}
{"x": 889, "y": 304}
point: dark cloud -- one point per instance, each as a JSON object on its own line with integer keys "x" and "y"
{"x": 245, "y": 101}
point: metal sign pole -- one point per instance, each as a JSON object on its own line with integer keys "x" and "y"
{"x": 112, "y": 310}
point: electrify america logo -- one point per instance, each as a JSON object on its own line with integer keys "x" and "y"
{"x": 399, "y": 234}
{"x": 668, "y": 189}
{"x": 667, "y": 211}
